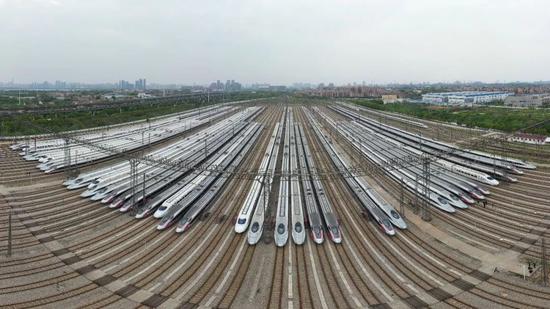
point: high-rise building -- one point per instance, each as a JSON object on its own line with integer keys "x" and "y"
{"x": 140, "y": 84}
{"x": 124, "y": 85}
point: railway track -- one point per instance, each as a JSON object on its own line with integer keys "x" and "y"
{"x": 109, "y": 296}
{"x": 209, "y": 264}
{"x": 444, "y": 273}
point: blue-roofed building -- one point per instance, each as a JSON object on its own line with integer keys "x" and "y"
{"x": 464, "y": 97}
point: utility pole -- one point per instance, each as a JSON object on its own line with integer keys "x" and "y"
{"x": 402, "y": 198}
{"x": 426, "y": 214}
{"x": 9, "y": 234}
{"x": 143, "y": 199}
{"x": 67, "y": 159}
{"x": 544, "y": 263}
{"x": 133, "y": 175}
{"x": 416, "y": 206}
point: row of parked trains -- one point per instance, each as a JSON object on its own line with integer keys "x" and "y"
{"x": 301, "y": 199}
{"x": 92, "y": 145}
{"x": 176, "y": 183}
{"x": 457, "y": 177}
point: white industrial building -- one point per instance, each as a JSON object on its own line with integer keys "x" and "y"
{"x": 531, "y": 100}
{"x": 464, "y": 97}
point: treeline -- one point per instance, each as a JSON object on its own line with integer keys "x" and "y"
{"x": 29, "y": 124}
{"x": 504, "y": 119}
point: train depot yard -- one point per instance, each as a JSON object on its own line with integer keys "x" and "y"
{"x": 274, "y": 203}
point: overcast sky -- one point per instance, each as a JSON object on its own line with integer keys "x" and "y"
{"x": 278, "y": 41}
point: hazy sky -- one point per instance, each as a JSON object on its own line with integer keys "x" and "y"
{"x": 279, "y": 41}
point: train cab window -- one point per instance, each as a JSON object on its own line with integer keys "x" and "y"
{"x": 335, "y": 231}
{"x": 386, "y": 223}
{"x": 78, "y": 180}
{"x": 255, "y": 227}
{"x": 298, "y": 227}
{"x": 241, "y": 221}
{"x": 281, "y": 228}
{"x": 102, "y": 190}
{"x": 454, "y": 197}
{"x": 162, "y": 208}
{"x": 316, "y": 230}
{"x": 394, "y": 214}
{"x": 490, "y": 178}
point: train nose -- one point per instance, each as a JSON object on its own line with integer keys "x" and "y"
{"x": 126, "y": 207}
{"x": 317, "y": 234}
{"x": 478, "y": 196}
{"x": 116, "y": 203}
{"x": 183, "y": 228}
{"x": 466, "y": 199}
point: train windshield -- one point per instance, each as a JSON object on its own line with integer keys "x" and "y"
{"x": 442, "y": 200}
{"x": 387, "y": 224}
{"x": 490, "y": 178}
{"x": 166, "y": 219}
{"x": 281, "y": 228}
{"x": 394, "y": 214}
{"x": 454, "y": 197}
{"x": 241, "y": 221}
{"x": 298, "y": 227}
{"x": 316, "y": 231}
{"x": 335, "y": 232}
{"x": 255, "y": 227}
{"x": 162, "y": 208}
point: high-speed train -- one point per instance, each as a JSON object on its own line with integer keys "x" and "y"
{"x": 197, "y": 180}
{"x": 374, "y": 212}
{"x": 436, "y": 146}
{"x": 410, "y": 183}
{"x": 402, "y": 176}
{"x": 392, "y": 214}
{"x": 281, "y": 218}
{"x": 331, "y": 222}
{"x": 221, "y": 159}
{"x": 440, "y": 183}
{"x": 247, "y": 209}
{"x": 314, "y": 219}
{"x": 296, "y": 208}
{"x": 158, "y": 177}
{"x": 442, "y": 197}
{"x": 167, "y": 176}
{"x": 51, "y": 152}
{"x": 388, "y": 115}
{"x": 205, "y": 200}
{"x": 257, "y": 221}
{"x": 457, "y": 165}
